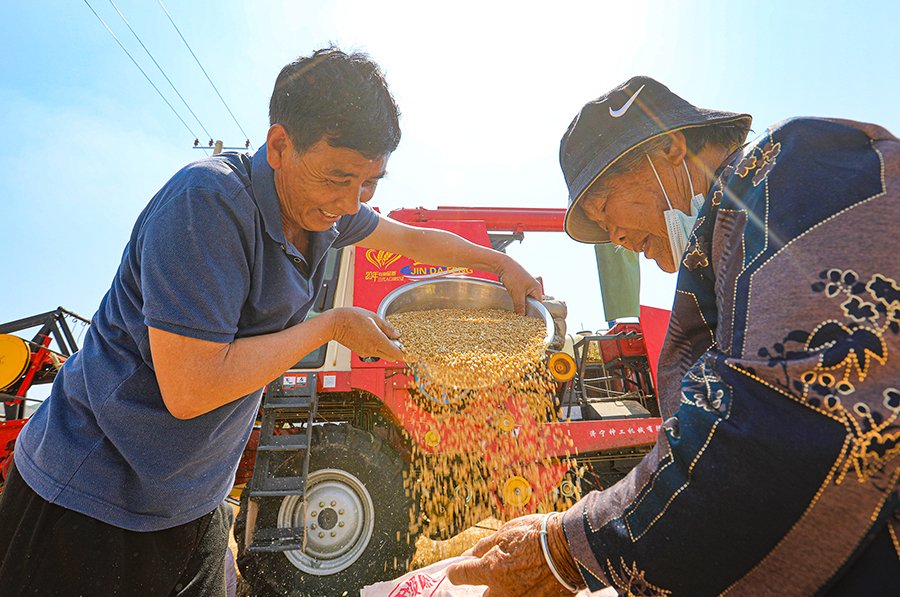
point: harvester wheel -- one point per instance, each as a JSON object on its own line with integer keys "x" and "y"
{"x": 358, "y": 529}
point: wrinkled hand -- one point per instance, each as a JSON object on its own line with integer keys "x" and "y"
{"x": 511, "y": 563}
{"x": 519, "y": 283}
{"x": 365, "y": 333}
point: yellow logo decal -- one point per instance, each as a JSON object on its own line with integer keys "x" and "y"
{"x": 381, "y": 259}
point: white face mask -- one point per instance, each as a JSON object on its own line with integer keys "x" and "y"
{"x": 678, "y": 223}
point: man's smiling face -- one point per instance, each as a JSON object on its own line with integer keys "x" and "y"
{"x": 318, "y": 186}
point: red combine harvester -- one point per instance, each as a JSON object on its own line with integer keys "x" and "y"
{"x": 337, "y": 514}
{"x": 321, "y": 481}
{"x": 24, "y": 364}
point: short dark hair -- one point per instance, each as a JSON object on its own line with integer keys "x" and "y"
{"x": 342, "y": 98}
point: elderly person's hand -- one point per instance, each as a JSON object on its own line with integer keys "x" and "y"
{"x": 519, "y": 283}
{"x": 511, "y": 562}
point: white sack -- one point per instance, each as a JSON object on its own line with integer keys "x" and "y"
{"x": 431, "y": 581}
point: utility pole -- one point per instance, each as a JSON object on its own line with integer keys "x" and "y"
{"x": 218, "y": 146}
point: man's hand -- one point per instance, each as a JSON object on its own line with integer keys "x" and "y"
{"x": 511, "y": 563}
{"x": 519, "y": 283}
{"x": 365, "y": 333}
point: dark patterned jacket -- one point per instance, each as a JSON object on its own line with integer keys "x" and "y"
{"x": 776, "y": 471}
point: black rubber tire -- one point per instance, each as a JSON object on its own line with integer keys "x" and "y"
{"x": 380, "y": 469}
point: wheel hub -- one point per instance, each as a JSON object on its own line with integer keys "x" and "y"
{"x": 327, "y": 519}
{"x": 339, "y": 521}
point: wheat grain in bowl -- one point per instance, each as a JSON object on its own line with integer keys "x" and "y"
{"x": 469, "y": 348}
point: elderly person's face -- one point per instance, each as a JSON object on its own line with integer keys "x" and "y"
{"x": 629, "y": 203}
{"x": 630, "y": 207}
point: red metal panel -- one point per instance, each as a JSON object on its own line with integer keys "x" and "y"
{"x": 598, "y": 436}
{"x": 9, "y": 431}
{"x": 655, "y": 323}
{"x": 623, "y": 347}
{"x": 372, "y": 379}
{"x": 376, "y": 273}
{"x": 512, "y": 219}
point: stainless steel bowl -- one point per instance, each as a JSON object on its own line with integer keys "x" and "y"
{"x": 459, "y": 293}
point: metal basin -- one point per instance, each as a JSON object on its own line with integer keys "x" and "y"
{"x": 459, "y": 293}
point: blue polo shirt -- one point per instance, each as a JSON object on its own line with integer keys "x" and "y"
{"x": 207, "y": 259}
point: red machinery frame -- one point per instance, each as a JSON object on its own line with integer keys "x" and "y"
{"x": 43, "y": 364}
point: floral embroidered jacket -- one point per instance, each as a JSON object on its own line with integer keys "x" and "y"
{"x": 776, "y": 470}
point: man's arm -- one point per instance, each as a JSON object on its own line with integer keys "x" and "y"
{"x": 439, "y": 247}
{"x": 197, "y": 376}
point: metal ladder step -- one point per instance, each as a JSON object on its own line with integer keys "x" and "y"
{"x": 284, "y": 442}
{"x": 276, "y": 539}
{"x": 279, "y": 486}
{"x": 301, "y": 403}
{"x": 292, "y": 398}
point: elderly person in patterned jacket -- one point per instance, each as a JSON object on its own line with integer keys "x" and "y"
{"x": 776, "y": 471}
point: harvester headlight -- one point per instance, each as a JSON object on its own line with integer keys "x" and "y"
{"x": 562, "y": 366}
{"x": 432, "y": 438}
{"x": 517, "y": 492}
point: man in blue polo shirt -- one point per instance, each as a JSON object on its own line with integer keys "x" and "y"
{"x": 119, "y": 473}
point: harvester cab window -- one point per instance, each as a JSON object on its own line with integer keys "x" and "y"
{"x": 324, "y": 301}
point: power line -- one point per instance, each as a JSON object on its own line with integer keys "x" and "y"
{"x": 149, "y": 80}
{"x": 175, "y": 89}
{"x": 205, "y": 73}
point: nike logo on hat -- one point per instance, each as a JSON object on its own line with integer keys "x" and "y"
{"x": 621, "y": 111}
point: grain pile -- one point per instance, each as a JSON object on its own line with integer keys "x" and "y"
{"x": 469, "y": 349}
{"x": 481, "y": 375}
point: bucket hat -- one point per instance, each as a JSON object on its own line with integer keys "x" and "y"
{"x": 612, "y": 125}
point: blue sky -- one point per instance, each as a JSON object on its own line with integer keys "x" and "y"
{"x": 486, "y": 90}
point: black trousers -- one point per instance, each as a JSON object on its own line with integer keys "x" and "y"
{"x": 50, "y": 550}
